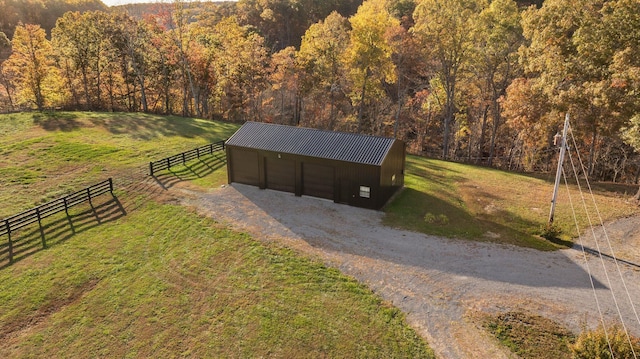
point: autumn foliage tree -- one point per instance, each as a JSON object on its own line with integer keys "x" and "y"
{"x": 321, "y": 70}
{"x": 468, "y": 80}
{"x": 570, "y": 58}
{"x": 445, "y": 27}
{"x": 32, "y": 65}
{"x": 5, "y": 78}
{"x": 368, "y": 58}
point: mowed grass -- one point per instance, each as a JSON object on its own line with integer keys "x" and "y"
{"x": 44, "y": 156}
{"x": 470, "y": 202}
{"x": 137, "y": 276}
{"x": 164, "y": 282}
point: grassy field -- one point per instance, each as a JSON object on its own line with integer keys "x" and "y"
{"x": 136, "y": 276}
{"x": 464, "y": 201}
{"x": 163, "y": 282}
{"x": 46, "y": 155}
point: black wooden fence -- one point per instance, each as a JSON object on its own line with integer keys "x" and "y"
{"x": 15, "y": 222}
{"x": 184, "y": 157}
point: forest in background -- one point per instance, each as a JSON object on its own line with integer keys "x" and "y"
{"x": 478, "y": 81}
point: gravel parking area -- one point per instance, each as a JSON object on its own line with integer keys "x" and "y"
{"x": 439, "y": 283}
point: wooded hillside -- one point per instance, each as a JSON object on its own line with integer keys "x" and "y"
{"x": 41, "y": 12}
{"x": 476, "y": 80}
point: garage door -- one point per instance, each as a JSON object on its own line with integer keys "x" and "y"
{"x": 317, "y": 180}
{"x": 281, "y": 174}
{"x": 244, "y": 166}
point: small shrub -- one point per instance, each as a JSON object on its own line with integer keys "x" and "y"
{"x": 550, "y": 232}
{"x": 440, "y": 219}
{"x": 529, "y": 336}
{"x": 593, "y": 344}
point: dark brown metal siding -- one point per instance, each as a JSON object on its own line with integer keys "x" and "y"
{"x": 350, "y": 177}
{"x": 280, "y": 174}
{"x": 318, "y": 180}
{"x": 322, "y": 177}
{"x": 392, "y": 172}
{"x": 244, "y": 166}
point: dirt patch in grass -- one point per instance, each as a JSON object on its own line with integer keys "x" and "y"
{"x": 529, "y": 335}
{"x": 14, "y": 327}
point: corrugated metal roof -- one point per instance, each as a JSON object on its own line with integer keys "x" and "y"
{"x": 339, "y": 146}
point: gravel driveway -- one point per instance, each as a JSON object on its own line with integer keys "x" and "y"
{"x": 439, "y": 283}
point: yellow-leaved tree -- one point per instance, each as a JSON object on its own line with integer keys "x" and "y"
{"x": 34, "y": 68}
{"x": 369, "y": 58}
{"x": 445, "y": 28}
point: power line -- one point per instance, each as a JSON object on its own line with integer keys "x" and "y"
{"x": 598, "y": 247}
{"x": 586, "y": 260}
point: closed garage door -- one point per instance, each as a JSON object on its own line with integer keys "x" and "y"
{"x": 244, "y": 166}
{"x": 281, "y": 174}
{"x": 317, "y": 180}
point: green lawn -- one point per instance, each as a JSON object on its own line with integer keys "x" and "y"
{"x": 164, "y": 282}
{"x": 470, "y": 202}
{"x": 138, "y": 276}
{"x": 46, "y": 155}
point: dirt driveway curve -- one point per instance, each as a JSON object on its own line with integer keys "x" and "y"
{"x": 439, "y": 283}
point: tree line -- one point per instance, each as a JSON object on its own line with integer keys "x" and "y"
{"x": 470, "y": 80}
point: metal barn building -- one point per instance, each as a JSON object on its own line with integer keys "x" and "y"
{"x": 359, "y": 170}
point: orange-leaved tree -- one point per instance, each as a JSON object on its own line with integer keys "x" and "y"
{"x": 33, "y": 65}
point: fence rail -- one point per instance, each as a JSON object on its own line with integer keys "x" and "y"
{"x": 23, "y": 219}
{"x": 184, "y": 157}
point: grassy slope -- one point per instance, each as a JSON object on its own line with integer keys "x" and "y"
{"x": 44, "y": 156}
{"x": 161, "y": 281}
{"x": 464, "y": 201}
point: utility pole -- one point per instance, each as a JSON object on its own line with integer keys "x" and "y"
{"x": 563, "y": 148}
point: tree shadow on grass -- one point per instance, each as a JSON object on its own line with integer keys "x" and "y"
{"x": 57, "y": 121}
{"x": 58, "y": 229}
{"x": 138, "y": 126}
{"x": 435, "y": 172}
{"x": 422, "y": 212}
{"x": 199, "y": 168}
{"x": 147, "y": 127}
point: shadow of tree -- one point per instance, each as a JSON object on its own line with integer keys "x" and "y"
{"x": 57, "y": 121}
{"x": 138, "y": 126}
{"x": 422, "y": 212}
{"x": 29, "y": 241}
{"x": 147, "y": 127}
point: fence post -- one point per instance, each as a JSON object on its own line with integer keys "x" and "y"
{"x": 150, "y": 168}
{"x": 198, "y": 152}
{"x": 110, "y": 185}
{"x": 89, "y": 196}
{"x": 210, "y": 148}
{"x": 66, "y": 206}
{"x": 6, "y": 222}
{"x": 222, "y": 144}
{"x": 184, "y": 161}
{"x": 168, "y": 163}
{"x": 44, "y": 242}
